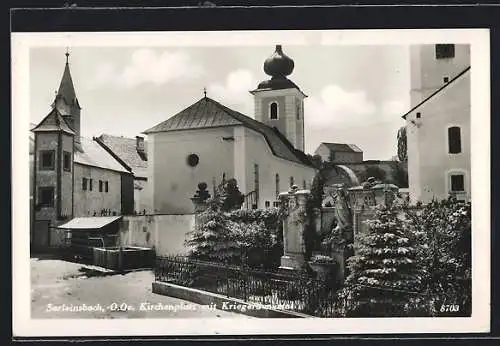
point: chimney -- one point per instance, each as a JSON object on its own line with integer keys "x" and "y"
{"x": 139, "y": 144}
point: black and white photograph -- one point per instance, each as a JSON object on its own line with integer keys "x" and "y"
{"x": 251, "y": 182}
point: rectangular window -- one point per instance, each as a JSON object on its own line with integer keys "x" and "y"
{"x": 46, "y": 196}
{"x": 457, "y": 183}
{"x": 454, "y": 140}
{"x": 291, "y": 181}
{"x": 445, "y": 51}
{"x": 47, "y": 159}
{"x": 84, "y": 183}
{"x": 256, "y": 181}
{"x": 100, "y": 185}
{"x": 106, "y": 187}
{"x": 90, "y": 184}
{"x": 277, "y": 185}
{"x": 67, "y": 161}
{"x": 304, "y": 184}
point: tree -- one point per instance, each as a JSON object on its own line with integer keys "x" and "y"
{"x": 402, "y": 145}
{"x": 231, "y": 197}
{"x": 316, "y": 160}
{"x": 399, "y": 175}
{"x": 384, "y": 279}
{"x": 444, "y": 227}
{"x": 373, "y": 171}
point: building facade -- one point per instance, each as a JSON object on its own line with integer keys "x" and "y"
{"x": 438, "y": 124}
{"x": 339, "y": 153}
{"x": 132, "y": 154}
{"x": 70, "y": 175}
{"x": 208, "y": 142}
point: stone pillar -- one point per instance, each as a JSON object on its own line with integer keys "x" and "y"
{"x": 365, "y": 200}
{"x": 294, "y": 204}
{"x": 200, "y": 201}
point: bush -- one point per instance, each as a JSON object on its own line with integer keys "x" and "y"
{"x": 384, "y": 275}
{"x": 444, "y": 227}
{"x": 250, "y": 237}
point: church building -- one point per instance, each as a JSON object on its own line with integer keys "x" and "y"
{"x": 72, "y": 176}
{"x": 209, "y": 142}
{"x": 438, "y": 124}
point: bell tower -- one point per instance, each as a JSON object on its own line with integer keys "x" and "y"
{"x": 67, "y": 103}
{"x": 279, "y": 102}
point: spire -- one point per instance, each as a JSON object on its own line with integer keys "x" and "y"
{"x": 66, "y": 88}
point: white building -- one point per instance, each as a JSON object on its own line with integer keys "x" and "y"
{"x": 208, "y": 141}
{"x": 438, "y": 124}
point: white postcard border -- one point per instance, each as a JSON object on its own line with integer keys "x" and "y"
{"x": 23, "y": 325}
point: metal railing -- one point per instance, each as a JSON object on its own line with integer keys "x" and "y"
{"x": 296, "y": 292}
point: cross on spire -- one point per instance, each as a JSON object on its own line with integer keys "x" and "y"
{"x": 67, "y": 54}
{"x": 205, "y": 92}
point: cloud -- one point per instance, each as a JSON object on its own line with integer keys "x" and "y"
{"x": 234, "y": 92}
{"x": 336, "y": 105}
{"x": 394, "y": 108}
{"x": 148, "y": 66}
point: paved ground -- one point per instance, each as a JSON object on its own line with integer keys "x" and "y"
{"x": 59, "y": 287}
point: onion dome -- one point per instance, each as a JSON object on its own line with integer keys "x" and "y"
{"x": 278, "y": 65}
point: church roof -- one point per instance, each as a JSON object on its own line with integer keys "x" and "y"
{"x": 342, "y": 147}
{"x": 207, "y": 113}
{"x": 53, "y": 122}
{"x": 125, "y": 150}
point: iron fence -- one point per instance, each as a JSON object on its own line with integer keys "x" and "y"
{"x": 298, "y": 291}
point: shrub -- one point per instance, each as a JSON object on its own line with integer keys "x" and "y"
{"x": 384, "y": 275}
{"x": 444, "y": 227}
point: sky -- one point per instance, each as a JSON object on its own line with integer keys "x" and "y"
{"x": 356, "y": 93}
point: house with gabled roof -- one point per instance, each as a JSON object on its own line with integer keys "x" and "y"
{"x": 339, "y": 153}
{"x": 208, "y": 142}
{"x": 132, "y": 154}
{"x": 71, "y": 176}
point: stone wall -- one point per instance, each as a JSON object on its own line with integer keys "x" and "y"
{"x": 165, "y": 233}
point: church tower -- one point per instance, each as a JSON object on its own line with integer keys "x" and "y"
{"x": 278, "y": 101}
{"x": 67, "y": 104}
{"x": 53, "y": 169}
{"x": 56, "y": 138}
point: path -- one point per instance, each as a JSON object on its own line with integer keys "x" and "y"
{"x": 59, "y": 285}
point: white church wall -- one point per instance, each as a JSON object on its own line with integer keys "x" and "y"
{"x": 173, "y": 181}
{"x": 429, "y": 162}
{"x": 258, "y": 152}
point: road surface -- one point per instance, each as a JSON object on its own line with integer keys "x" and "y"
{"x": 60, "y": 289}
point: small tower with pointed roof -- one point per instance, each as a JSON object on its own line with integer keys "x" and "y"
{"x": 67, "y": 103}
{"x": 279, "y": 102}
{"x": 53, "y": 168}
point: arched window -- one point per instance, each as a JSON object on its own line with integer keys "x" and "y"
{"x": 273, "y": 111}
{"x": 304, "y": 186}
{"x": 277, "y": 185}
{"x": 454, "y": 140}
{"x": 291, "y": 181}
{"x": 298, "y": 111}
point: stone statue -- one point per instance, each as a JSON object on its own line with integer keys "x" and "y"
{"x": 343, "y": 213}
